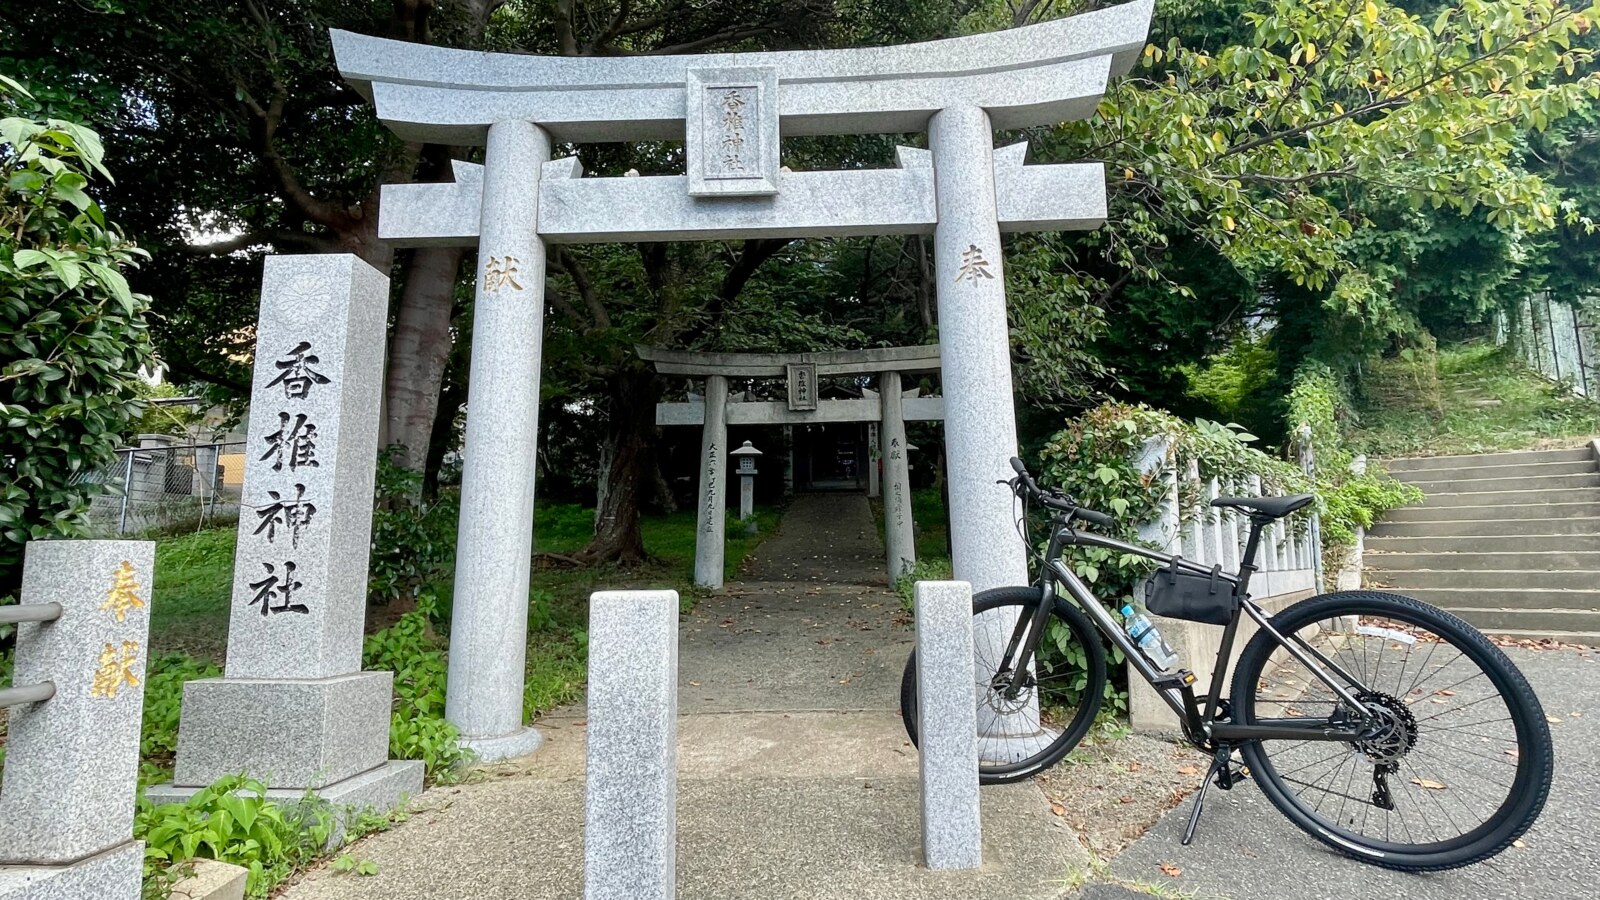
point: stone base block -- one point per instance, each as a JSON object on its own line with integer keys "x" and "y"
{"x": 521, "y": 742}
{"x": 110, "y": 875}
{"x": 380, "y": 790}
{"x": 290, "y": 734}
{"x": 212, "y": 880}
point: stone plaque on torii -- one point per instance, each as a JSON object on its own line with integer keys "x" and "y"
{"x": 731, "y": 109}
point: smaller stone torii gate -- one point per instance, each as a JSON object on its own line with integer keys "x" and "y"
{"x": 890, "y": 409}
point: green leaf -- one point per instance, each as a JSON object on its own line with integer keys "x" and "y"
{"x": 27, "y": 259}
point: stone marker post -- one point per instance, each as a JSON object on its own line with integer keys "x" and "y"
{"x": 874, "y": 460}
{"x": 294, "y": 708}
{"x": 72, "y": 761}
{"x": 711, "y": 519}
{"x": 631, "y": 800}
{"x": 952, "y": 828}
{"x": 898, "y": 541}
{"x": 494, "y": 547}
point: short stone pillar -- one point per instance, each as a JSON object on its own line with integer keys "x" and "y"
{"x": 631, "y": 796}
{"x": 294, "y": 709}
{"x": 747, "y": 480}
{"x": 899, "y": 541}
{"x": 874, "y": 461}
{"x": 947, "y": 727}
{"x": 72, "y": 761}
{"x": 711, "y": 517}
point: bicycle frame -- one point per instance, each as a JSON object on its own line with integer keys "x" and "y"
{"x": 1200, "y": 726}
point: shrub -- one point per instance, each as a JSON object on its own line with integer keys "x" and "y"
{"x": 163, "y": 699}
{"x": 75, "y": 334}
{"x": 417, "y": 727}
{"x": 413, "y": 540}
{"x": 233, "y": 822}
{"x": 1347, "y": 500}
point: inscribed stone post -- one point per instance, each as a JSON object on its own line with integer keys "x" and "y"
{"x": 952, "y": 830}
{"x": 72, "y": 762}
{"x": 294, "y": 708}
{"x": 630, "y": 805}
{"x": 898, "y": 539}
{"x": 711, "y": 520}
{"x": 874, "y": 460}
{"x": 494, "y": 545}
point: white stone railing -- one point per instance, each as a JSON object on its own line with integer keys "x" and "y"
{"x": 1287, "y": 558}
{"x": 1287, "y": 561}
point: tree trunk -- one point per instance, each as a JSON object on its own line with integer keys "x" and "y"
{"x": 630, "y": 432}
{"x": 419, "y": 352}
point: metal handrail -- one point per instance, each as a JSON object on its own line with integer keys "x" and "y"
{"x": 27, "y": 693}
{"x": 29, "y": 612}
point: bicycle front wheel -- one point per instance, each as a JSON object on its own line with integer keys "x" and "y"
{"x": 1018, "y": 737}
{"x": 1455, "y": 761}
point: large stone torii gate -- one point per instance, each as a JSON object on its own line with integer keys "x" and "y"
{"x": 889, "y": 410}
{"x": 729, "y": 109}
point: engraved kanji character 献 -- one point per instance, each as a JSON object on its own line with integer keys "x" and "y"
{"x": 115, "y": 670}
{"x": 501, "y": 272}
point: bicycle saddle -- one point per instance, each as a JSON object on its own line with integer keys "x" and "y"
{"x": 1271, "y": 507}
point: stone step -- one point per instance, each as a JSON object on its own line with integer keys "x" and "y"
{"x": 1489, "y": 513}
{"x": 1538, "y": 621}
{"x": 1510, "y": 598}
{"x": 1546, "y": 561}
{"x": 1586, "y": 638}
{"x": 1513, "y": 498}
{"x": 1473, "y": 545}
{"x": 1488, "y": 527}
{"x": 1516, "y": 457}
{"x": 1407, "y": 580}
{"x": 1521, "y": 470}
{"x": 1494, "y": 485}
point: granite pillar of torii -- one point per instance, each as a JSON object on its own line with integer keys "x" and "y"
{"x": 889, "y": 409}
{"x": 730, "y": 110}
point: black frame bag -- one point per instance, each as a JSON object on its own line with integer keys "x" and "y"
{"x": 1178, "y": 594}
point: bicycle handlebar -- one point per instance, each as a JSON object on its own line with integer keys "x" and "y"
{"x": 1057, "y": 501}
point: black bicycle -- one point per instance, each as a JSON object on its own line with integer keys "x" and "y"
{"x": 1385, "y": 727}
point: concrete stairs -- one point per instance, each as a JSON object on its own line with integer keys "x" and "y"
{"x": 1508, "y": 541}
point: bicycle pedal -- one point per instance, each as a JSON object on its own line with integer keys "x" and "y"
{"x": 1177, "y": 680}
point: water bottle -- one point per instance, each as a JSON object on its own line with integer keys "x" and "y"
{"x": 1144, "y": 634}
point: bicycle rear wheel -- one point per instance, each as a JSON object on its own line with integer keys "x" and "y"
{"x": 1018, "y": 738}
{"x": 1456, "y": 761}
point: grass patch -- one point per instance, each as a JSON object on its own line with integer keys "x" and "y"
{"x": 1408, "y": 412}
{"x": 193, "y": 584}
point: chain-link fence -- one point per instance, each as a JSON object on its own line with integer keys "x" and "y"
{"x": 1555, "y": 339}
{"x": 167, "y": 487}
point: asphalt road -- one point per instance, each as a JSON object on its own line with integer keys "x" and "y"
{"x": 1246, "y": 849}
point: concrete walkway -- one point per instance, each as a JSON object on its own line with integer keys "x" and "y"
{"x": 795, "y": 777}
{"x": 1246, "y": 849}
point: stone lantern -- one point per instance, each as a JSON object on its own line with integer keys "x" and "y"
{"x": 746, "y": 456}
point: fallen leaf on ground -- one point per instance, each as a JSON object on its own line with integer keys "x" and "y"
{"x": 1058, "y": 809}
{"x": 1553, "y": 720}
{"x": 1428, "y": 784}
{"x": 1443, "y": 693}
{"x": 1518, "y": 844}
{"x": 1133, "y": 766}
{"x": 1170, "y": 870}
{"x": 1188, "y": 770}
